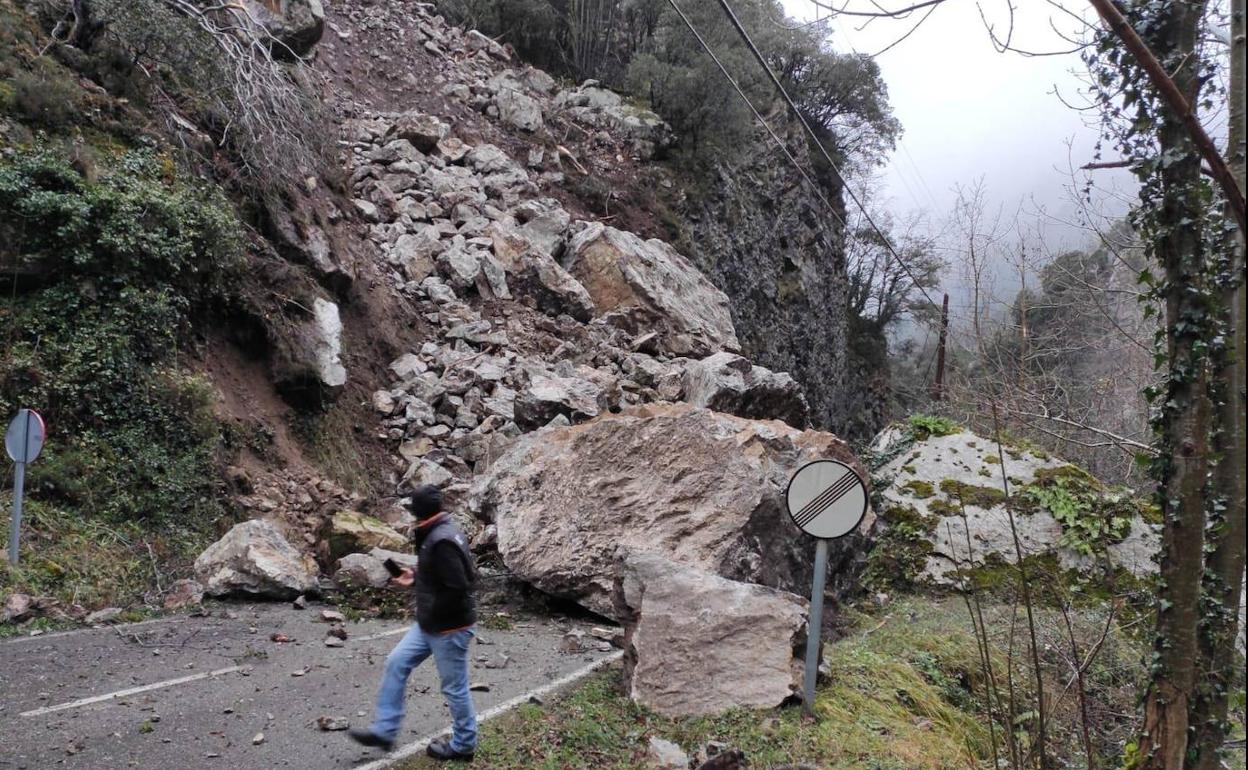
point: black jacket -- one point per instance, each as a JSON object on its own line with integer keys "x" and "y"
{"x": 445, "y": 578}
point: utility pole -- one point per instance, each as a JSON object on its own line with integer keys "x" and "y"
{"x": 938, "y": 385}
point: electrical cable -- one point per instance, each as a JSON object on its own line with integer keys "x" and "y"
{"x": 745, "y": 36}
{"x": 779, "y": 142}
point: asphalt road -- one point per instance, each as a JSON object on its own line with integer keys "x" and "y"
{"x": 199, "y": 692}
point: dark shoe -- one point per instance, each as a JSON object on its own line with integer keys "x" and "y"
{"x": 370, "y": 738}
{"x": 440, "y": 749}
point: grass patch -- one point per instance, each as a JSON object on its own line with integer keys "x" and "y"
{"x": 927, "y": 425}
{"x": 73, "y": 563}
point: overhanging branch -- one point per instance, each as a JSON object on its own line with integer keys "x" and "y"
{"x": 1177, "y": 102}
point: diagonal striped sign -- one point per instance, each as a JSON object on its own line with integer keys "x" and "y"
{"x": 826, "y": 498}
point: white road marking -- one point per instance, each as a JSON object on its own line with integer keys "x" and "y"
{"x": 59, "y": 634}
{"x": 130, "y": 691}
{"x": 382, "y": 635}
{"x": 414, "y": 748}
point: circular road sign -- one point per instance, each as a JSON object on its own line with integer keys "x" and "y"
{"x": 24, "y": 439}
{"x": 826, "y": 498}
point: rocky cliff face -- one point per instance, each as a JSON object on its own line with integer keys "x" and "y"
{"x": 773, "y": 247}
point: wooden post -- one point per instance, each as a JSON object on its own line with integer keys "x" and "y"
{"x": 938, "y": 385}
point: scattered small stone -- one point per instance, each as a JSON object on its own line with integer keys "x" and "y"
{"x": 332, "y": 641}
{"x": 302, "y": 671}
{"x": 106, "y": 615}
{"x": 664, "y": 755}
{"x": 573, "y": 641}
{"x": 339, "y": 632}
{"x": 333, "y": 616}
{"x": 330, "y": 724}
{"x": 280, "y": 638}
{"x": 257, "y": 739}
{"x": 16, "y": 608}
{"x": 479, "y": 687}
{"x": 301, "y": 603}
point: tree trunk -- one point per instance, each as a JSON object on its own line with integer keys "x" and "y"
{"x": 1225, "y": 565}
{"x": 1185, "y": 411}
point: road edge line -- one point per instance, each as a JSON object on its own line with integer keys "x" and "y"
{"x": 129, "y": 691}
{"x": 403, "y": 752}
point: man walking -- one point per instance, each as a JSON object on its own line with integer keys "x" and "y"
{"x": 446, "y": 617}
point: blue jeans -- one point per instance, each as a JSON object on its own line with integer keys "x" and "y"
{"x": 450, "y": 655}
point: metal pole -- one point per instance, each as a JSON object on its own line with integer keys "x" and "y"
{"x": 816, "y": 626}
{"x": 19, "y": 481}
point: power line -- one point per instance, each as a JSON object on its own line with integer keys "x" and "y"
{"x": 779, "y": 142}
{"x": 732, "y": 16}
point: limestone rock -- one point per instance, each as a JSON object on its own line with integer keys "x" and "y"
{"x": 183, "y": 593}
{"x": 460, "y": 267}
{"x": 549, "y": 395}
{"x": 922, "y": 475}
{"x": 515, "y": 107}
{"x": 694, "y": 485}
{"x": 254, "y": 558}
{"x": 296, "y": 27}
{"x": 402, "y": 559}
{"x": 697, "y": 644}
{"x": 329, "y": 344}
{"x": 351, "y": 531}
{"x": 17, "y": 607}
{"x": 646, "y": 285}
{"x": 536, "y": 277}
{"x": 662, "y": 754}
{"x": 423, "y": 131}
{"x": 729, "y": 383}
{"x": 361, "y": 570}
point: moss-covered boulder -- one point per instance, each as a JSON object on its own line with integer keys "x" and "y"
{"x": 352, "y": 532}
{"x": 953, "y": 482}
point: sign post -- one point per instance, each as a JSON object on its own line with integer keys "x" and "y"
{"x": 826, "y": 499}
{"x": 23, "y": 441}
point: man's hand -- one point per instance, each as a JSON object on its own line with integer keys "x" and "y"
{"x": 404, "y": 578}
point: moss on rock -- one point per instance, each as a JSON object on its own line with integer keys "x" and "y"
{"x": 970, "y": 494}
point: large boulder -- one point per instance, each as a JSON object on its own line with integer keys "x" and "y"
{"x": 704, "y": 488}
{"x": 697, "y": 644}
{"x": 350, "y": 531}
{"x": 515, "y": 107}
{"x": 549, "y": 395}
{"x": 421, "y": 130}
{"x": 255, "y": 559}
{"x": 933, "y": 480}
{"x": 644, "y": 286}
{"x": 361, "y": 570}
{"x": 328, "y": 338}
{"x": 295, "y": 25}
{"x": 307, "y": 358}
{"x": 727, "y": 382}
{"x": 535, "y": 276}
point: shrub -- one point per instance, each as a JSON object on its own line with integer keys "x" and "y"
{"x": 128, "y": 262}
{"x": 925, "y": 425}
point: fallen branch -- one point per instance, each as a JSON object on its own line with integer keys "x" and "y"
{"x": 566, "y": 153}
{"x": 1122, "y": 442}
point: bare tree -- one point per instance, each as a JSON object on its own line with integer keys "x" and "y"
{"x": 218, "y": 60}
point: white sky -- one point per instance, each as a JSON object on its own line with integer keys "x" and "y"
{"x": 968, "y": 111}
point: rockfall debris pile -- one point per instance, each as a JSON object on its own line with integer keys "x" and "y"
{"x": 581, "y": 398}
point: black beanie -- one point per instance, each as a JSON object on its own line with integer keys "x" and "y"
{"x": 425, "y": 501}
